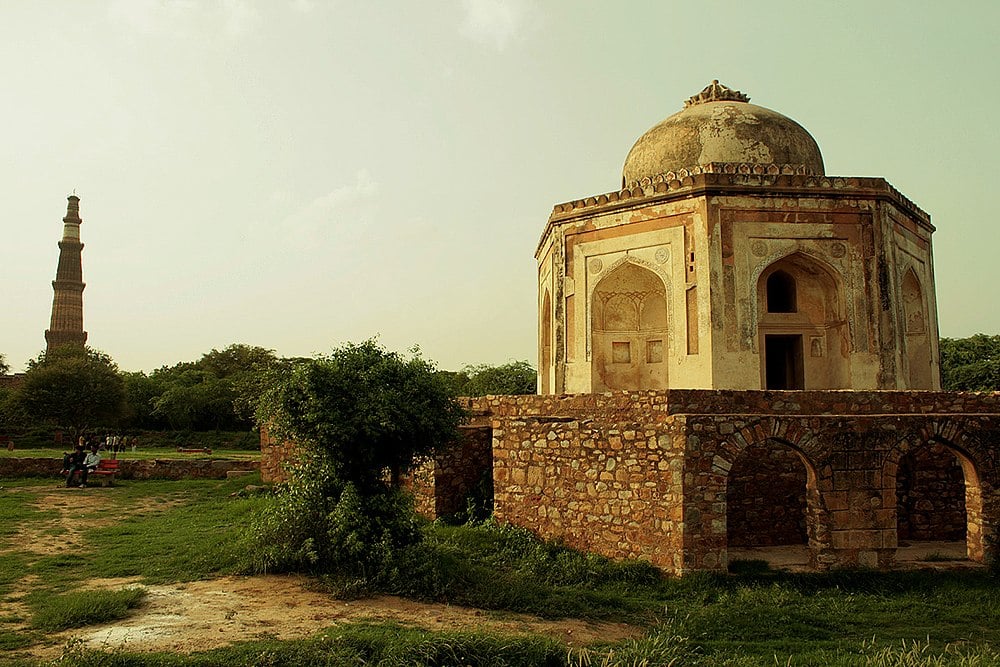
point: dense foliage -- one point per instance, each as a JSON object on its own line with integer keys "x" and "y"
{"x": 361, "y": 415}
{"x": 219, "y": 391}
{"x": 72, "y": 387}
{"x": 970, "y": 364}
{"x": 515, "y": 377}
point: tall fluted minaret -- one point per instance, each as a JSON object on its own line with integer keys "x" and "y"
{"x": 66, "y": 327}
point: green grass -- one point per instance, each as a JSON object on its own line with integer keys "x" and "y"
{"x": 51, "y": 613}
{"x": 191, "y": 529}
{"x": 144, "y": 454}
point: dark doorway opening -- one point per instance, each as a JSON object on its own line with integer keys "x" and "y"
{"x": 783, "y": 361}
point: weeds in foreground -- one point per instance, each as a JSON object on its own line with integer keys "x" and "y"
{"x": 52, "y": 613}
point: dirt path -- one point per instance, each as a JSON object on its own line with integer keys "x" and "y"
{"x": 203, "y": 615}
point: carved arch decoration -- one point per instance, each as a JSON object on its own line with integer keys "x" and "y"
{"x": 842, "y": 278}
{"x": 659, "y": 271}
{"x": 629, "y": 325}
{"x": 808, "y": 348}
{"x": 915, "y": 329}
{"x": 545, "y": 369}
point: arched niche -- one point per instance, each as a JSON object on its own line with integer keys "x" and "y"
{"x": 939, "y": 500}
{"x": 545, "y": 332}
{"x": 801, "y": 324}
{"x": 917, "y": 343}
{"x": 773, "y": 505}
{"x": 629, "y": 330}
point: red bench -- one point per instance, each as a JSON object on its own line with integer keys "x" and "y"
{"x": 105, "y": 472}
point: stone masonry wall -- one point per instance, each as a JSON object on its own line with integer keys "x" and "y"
{"x": 550, "y": 452}
{"x": 441, "y": 486}
{"x": 930, "y": 487}
{"x": 766, "y": 498}
{"x": 645, "y": 474}
{"x": 613, "y": 487}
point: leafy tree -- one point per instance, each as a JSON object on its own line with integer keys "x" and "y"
{"x": 73, "y": 387}
{"x": 141, "y": 391}
{"x": 970, "y": 364}
{"x": 361, "y": 415}
{"x": 4, "y": 366}
{"x": 219, "y": 391}
{"x": 515, "y": 377}
{"x": 365, "y": 410}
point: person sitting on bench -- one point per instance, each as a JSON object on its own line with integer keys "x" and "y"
{"x": 92, "y": 459}
{"x": 76, "y": 464}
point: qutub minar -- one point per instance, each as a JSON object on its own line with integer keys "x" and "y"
{"x": 66, "y": 326}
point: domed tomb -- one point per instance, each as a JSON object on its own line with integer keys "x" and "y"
{"x": 730, "y": 260}
{"x": 717, "y": 127}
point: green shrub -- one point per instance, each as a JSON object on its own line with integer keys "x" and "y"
{"x": 323, "y": 526}
{"x": 80, "y": 608}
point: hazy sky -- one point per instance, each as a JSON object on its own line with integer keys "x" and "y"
{"x": 300, "y": 174}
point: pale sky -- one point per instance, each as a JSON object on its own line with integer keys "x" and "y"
{"x": 300, "y": 174}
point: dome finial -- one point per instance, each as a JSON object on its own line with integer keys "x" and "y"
{"x": 716, "y": 92}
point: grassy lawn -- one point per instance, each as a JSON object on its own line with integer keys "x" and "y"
{"x": 140, "y": 454}
{"x": 186, "y": 530}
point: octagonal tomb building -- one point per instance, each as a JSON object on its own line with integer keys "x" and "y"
{"x": 728, "y": 259}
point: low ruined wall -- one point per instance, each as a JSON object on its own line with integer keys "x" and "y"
{"x": 131, "y": 469}
{"x": 442, "y": 485}
{"x": 610, "y": 487}
{"x": 646, "y": 474}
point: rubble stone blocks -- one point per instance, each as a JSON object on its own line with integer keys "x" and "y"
{"x": 651, "y": 474}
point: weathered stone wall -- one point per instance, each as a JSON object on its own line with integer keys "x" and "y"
{"x": 766, "y": 498}
{"x": 131, "y": 469}
{"x": 613, "y": 487}
{"x": 850, "y": 445}
{"x": 930, "y": 487}
{"x": 442, "y": 485}
{"x": 645, "y": 474}
{"x": 275, "y": 455}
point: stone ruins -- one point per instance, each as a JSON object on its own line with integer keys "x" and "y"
{"x": 735, "y": 350}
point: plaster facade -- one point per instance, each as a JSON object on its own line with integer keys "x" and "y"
{"x": 665, "y": 283}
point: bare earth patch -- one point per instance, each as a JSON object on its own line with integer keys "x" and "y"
{"x": 203, "y": 615}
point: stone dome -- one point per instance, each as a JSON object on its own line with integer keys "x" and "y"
{"x": 720, "y": 126}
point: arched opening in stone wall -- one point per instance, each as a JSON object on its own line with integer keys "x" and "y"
{"x": 629, "y": 330}
{"x": 917, "y": 339}
{"x": 938, "y": 504}
{"x": 802, "y": 327}
{"x": 771, "y": 505}
{"x": 545, "y": 331}
{"x": 781, "y": 293}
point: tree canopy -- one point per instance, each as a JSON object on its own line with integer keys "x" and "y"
{"x": 361, "y": 415}
{"x": 365, "y": 410}
{"x": 4, "y": 366}
{"x": 970, "y": 364}
{"x": 514, "y": 377}
{"x": 73, "y": 387}
{"x": 218, "y": 391}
